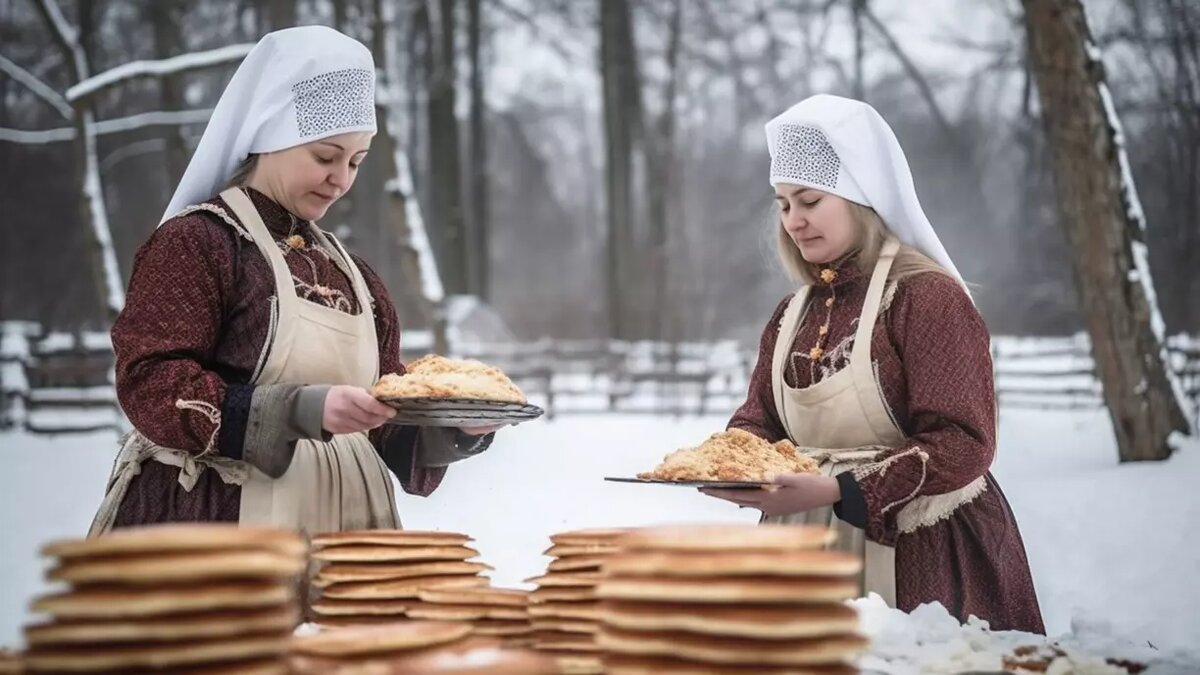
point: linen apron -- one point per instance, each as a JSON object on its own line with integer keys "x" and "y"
{"x": 830, "y": 420}
{"x": 341, "y": 484}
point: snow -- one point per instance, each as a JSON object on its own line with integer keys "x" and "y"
{"x": 37, "y": 87}
{"x": 114, "y": 287}
{"x": 167, "y": 66}
{"x": 116, "y": 125}
{"x": 1111, "y": 569}
{"x": 1139, "y": 252}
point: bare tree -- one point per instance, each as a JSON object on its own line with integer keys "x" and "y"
{"x": 92, "y": 211}
{"x": 1104, "y": 223}
{"x": 166, "y": 18}
{"x": 417, "y": 262}
{"x": 447, "y": 214}
{"x": 623, "y": 134}
{"x": 479, "y": 246}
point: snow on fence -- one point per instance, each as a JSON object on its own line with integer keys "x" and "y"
{"x": 61, "y": 382}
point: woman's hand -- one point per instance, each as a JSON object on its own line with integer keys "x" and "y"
{"x": 791, "y": 493}
{"x": 350, "y": 409}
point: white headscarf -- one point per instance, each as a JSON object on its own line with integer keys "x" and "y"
{"x": 296, "y": 86}
{"x": 844, "y": 147}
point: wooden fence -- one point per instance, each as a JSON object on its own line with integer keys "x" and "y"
{"x": 61, "y": 383}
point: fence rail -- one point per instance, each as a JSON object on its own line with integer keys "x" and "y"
{"x": 54, "y": 383}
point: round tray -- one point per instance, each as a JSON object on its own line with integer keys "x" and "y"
{"x": 724, "y": 484}
{"x": 459, "y": 412}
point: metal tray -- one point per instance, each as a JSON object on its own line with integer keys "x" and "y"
{"x": 459, "y": 412}
{"x": 722, "y": 484}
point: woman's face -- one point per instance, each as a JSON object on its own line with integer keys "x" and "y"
{"x": 820, "y": 224}
{"x": 309, "y": 178}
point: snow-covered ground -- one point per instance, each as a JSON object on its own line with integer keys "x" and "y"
{"x": 1110, "y": 545}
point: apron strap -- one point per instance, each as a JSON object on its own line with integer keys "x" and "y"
{"x": 874, "y": 300}
{"x": 789, "y": 324}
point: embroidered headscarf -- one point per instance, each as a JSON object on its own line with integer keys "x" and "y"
{"x": 296, "y": 86}
{"x": 844, "y": 147}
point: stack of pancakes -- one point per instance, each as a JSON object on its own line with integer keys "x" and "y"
{"x": 180, "y": 598}
{"x": 413, "y": 647}
{"x": 374, "y": 576}
{"x": 494, "y": 612}
{"x": 729, "y": 599}
{"x": 563, "y": 607}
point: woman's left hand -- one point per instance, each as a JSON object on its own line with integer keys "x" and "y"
{"x": 791, "y": 493}
{"x": 483, "y": 431}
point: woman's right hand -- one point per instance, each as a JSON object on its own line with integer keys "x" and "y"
{"x": 352, "y": 409}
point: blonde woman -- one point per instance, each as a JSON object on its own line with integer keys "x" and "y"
{"x": 879, "y": 368}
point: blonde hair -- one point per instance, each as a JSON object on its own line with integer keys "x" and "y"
{"x": 872, "y": 234}
{"x": 244, "y": 170}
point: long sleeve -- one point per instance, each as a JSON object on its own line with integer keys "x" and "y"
{"x": 758, "y": 414}
{"x": 168, "y": 332}
{"x": 943, "y": 346}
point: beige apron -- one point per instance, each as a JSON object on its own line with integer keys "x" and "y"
{"x": 837, "y": 420}
{"x": 845, "y": 410}
{"x": 339, "y": 485}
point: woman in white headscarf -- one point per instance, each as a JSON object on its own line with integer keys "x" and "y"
{"x": 879, "y": 368}
{"x": 250, "y": 336}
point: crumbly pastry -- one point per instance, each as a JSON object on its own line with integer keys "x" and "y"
{"x": 433, "y": 376}
{"x": 733, "y": 455}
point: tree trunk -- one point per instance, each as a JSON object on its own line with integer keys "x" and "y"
{"x": 165, "y": 17}
{"x": 1105, "y": 227}
{"x": 480, "y": 240}
{"x": 447, "y": 217}
{"x": 280, "y": 14}
{"x": 660, "y": 181}
{"x": 622, "y": 129}
{"x": 93, "y": 214}
{"x": 403, "y": 210}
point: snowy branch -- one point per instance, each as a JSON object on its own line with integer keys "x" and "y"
{"x": 175, "y": 64}
{"x": 36, "y": 87}
{"x": 128, "y": 123}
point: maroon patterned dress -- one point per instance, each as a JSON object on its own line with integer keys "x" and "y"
{"x": 930, "y": 348}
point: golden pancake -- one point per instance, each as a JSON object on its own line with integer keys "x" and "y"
{"x": 179, "y": 537}
{"x": 784, "y": 564}
{"x": 164, "y": 628}
{"x": 510, "y": 597}
{"x": 568, "y": 551}
{"x": 588, "y": 611}
{"x": 327, "y": 607}
{"x": 158, "y": 568}
{"x": 388, "y": 538}
{"x": 156, "y": 655}
{"x": 740, "y": 538}
{"x": 502, "y": 627}
{"x": 752, "y": 621}
{"x": 622, "y": 664}
{"x": 768, "y": 590}
{"x": 574, "y": 662}
{"x": 396, "y": 589}
{"x": 122, "y": 602}
{"x": 333, "y": 573}
{"x": 581, "y": 563}
{"x": 381, "y": 638}
{"x": 448, "y": 612}
{"x": 592, "y": 537}
{"x": 833, "y": 650}
{"x": 566, "y": 625}
{"x": 468, "y": 656}
{"x": 566, "y": 580}
{"x": 561, "y": 594}
{"x": 370, "y": 553}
